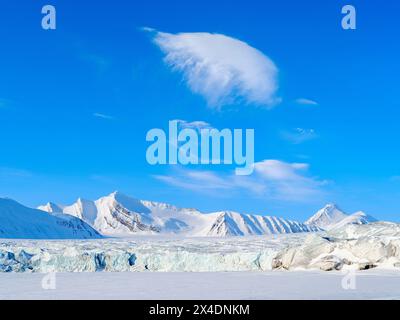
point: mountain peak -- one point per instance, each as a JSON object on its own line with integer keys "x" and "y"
{"x": 51, "y": 207}
{"x": 327, "y": 216}
{"x": 117, "y": 193}
{"x": 119, "y": 214}
{"x": 129, "y": 203}
{"x": 20, "y": 222}
{"x": 331, "y": 206}
{"x": 82, "y": 201}
{"x": 364, "y": 216}
{"x": 119, "y": 196}
{"x": 357, "y": 218}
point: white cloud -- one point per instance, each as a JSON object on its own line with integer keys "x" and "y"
{"x": 272, "y": 179}
{"x": 306, "y": 102}
{"x": 197, "y": 125}
{"x": 195, "y": 180}
{"x": 290, "y": 181}
{"x": 220, "y": 68}
{"x": 299, "y": 135}
{"x": 212, "y": 183}
{"x": 103, "y": 116}
{"x": 278, "y": 170}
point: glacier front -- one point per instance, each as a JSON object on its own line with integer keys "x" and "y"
{"x": 376, "y": 245}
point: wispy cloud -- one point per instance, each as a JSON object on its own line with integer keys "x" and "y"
{"x": 299, "y": 135}
{"x": 197, "y": 125}
{"x": 289, "y": 181}
{"x": 99, "y": 62}
{"x": 272, "y": 179}
{"x": 212, "y": 183}
{"x": 102, "y": 179}
{"x": 4, "y": 103}
{"x": 13, "y": 172}
{"x": 305, "y": 101}
{"x": 222, "y": 69}
{"x": 103, "y": 116}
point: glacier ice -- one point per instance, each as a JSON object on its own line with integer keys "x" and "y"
{"x": 352, "y": 246}
{"x": 146, "y": 254}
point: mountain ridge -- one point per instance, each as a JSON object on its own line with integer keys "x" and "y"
{"x": 118, "y": 214}
{"x": 332, "y": 217}
{"x": 20, "y": 222}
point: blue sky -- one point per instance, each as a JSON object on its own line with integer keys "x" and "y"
{"x": 76, "y": 104}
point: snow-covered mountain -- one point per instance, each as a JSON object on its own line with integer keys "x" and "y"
{"x": 359, "y": 218}
{"x": 331, "y": 217}
{"x": 121, "y": 215}
{"x": 118, "y": 214}
{"x": 20, "y": 222}
{"x": 230, "y": 223}
{"x": 326, "y": 217}
{"x": 82, "y": 209}
{"x": 51, "y": 207}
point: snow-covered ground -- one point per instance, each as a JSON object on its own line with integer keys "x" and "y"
{"x": 369, "y": 284}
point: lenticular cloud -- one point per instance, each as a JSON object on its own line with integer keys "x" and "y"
{"x": 220, "y": 68}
